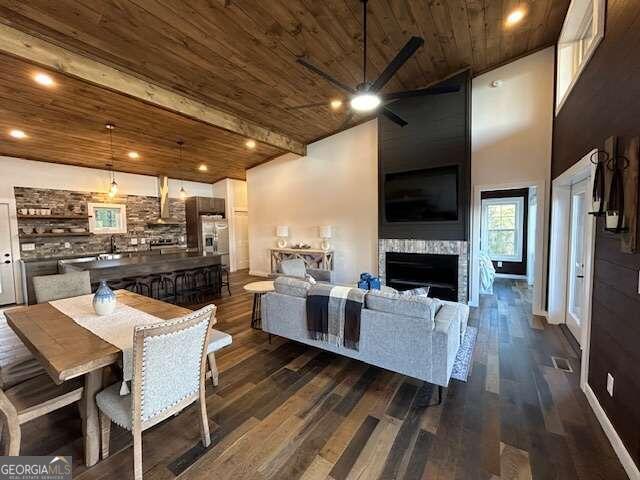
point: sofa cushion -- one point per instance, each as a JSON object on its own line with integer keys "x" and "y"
{"x": 395, "y": 303}
{"x": 293, "y": 268}
{"x": 294, "y": 287}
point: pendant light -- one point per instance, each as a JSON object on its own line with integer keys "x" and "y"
{"x": 113, "y": 189}
{"x": 183, "y": 192}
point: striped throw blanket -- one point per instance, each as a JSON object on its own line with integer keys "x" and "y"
{"x": 333, "y": 314}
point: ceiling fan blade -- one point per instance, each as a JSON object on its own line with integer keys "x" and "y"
{"x": 440, "y": 90}
{"x": 326, "y": 76}
{"x": 403, "y": 55}
{"x": 309, "y": 105}
{"x": 393, "y": 117}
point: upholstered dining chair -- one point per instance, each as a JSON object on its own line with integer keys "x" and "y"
{"x": 169, "y": 362}
{"x": 29, "y": 400}
{"x": 47, "y": 288}
{"x": 64, "y": 285}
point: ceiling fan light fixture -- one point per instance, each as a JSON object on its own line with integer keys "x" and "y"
{"x": 365, "y": 102}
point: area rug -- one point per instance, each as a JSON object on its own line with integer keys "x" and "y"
{"x": 464, "y": 357}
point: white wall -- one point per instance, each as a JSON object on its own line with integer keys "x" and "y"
{"x": 18, "y": 172}
{"x": 511, "y": 125}
{"x": 335, "y": 184}
{"x": 511, "y": 131}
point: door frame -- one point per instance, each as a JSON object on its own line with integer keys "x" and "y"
{"x": 15, "y": 246}
{"x": 559, "y": 252}
{"x": 540, "y": 263}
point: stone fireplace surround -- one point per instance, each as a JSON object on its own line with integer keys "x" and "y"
{"x": 437, "y": 247}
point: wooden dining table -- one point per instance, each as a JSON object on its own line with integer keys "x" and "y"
{"x": 67, "y": 350}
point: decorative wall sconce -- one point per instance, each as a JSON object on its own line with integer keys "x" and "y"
{"x": 599, "y": 159}
{"x": 615, "y": 202}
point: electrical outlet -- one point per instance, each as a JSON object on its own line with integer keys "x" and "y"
{"x": 143, "y": 241}
{"x": 610, "y": 384}
{"x": 134, "y": 241}
{"x": 182, "y": 241}
{"x": 28, "y": 247}
{"x": 67, "y": 245}
{"x": 499, "y": 264}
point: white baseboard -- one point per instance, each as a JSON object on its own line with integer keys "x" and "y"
{"x": 616, "y": 442}
{"x": 256, "y": 273}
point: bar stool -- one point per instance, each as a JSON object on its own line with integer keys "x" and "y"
{"x": 182, "y": 283}
{"x": 160, "y": 285}
{"x": 224, "y": 272}
{"x": 135, "y": 285}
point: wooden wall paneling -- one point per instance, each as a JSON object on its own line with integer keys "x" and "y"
{"x": 601, "y": 104}
{"x": 630, "y": 150}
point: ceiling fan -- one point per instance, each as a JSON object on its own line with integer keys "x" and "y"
{"x": 365, "y": 97}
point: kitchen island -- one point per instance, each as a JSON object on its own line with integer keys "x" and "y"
{"x": 118, "y": 267}
{"x": 165, "y": 277}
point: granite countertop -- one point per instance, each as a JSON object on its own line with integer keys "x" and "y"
{"x": 173, "y": 258}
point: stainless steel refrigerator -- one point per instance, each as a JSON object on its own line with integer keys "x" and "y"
{"x": 215, "y": 235}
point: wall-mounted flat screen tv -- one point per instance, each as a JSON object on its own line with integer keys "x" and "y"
{"x": 427, "y": 195}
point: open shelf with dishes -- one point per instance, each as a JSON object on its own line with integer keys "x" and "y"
{"x": 53, "y": 217}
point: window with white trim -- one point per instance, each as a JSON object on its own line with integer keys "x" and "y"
{"x": 582, "y": 31}
{"x": 502, "y": 228}
{"x": 107, "y": 218}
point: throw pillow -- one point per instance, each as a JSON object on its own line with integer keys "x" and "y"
{"x": 416, "y": 292}
{"x": 294, "y": 287}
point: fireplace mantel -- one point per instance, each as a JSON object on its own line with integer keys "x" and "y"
{"x": 437, "y": 247}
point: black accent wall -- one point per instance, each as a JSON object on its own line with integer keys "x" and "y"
{"x": 438, "y": 135}
{"x": 604, "y": 102}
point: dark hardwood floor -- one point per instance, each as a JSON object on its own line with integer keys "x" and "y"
{"x": 287, "y": 411}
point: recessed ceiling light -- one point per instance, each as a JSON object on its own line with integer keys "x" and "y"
{"x": 44, "y": 79}
{"x": 515, "y": 17}
{"x": 336, "y": 104}
{"x": 250, "y": 144}
{"x": 203, "y": 168}
{"x": 19, "y": 134}
{"x": 133, "y": 155}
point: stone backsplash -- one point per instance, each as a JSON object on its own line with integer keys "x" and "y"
{"x": 140, "y": 211}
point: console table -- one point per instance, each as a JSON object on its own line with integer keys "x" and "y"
{"x": 313, "y": 258}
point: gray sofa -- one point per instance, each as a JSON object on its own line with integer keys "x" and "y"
{"x": 401, "y": 334}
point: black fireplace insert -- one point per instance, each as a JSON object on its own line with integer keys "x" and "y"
{"x": 412, "y": 270}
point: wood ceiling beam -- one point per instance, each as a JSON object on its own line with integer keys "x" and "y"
{"x": 42, "y": 52}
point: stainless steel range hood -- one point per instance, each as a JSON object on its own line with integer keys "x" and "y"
{"x": 165, "y": 218}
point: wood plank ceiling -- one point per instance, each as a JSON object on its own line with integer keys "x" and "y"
{"x": 239, "y": 55}
{"x": 66, "y": 124}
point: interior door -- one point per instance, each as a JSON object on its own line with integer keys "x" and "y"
{"x": 7, "y": 285}
{"x": 577, "y": 289}
{"x": 241, "y": 239}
